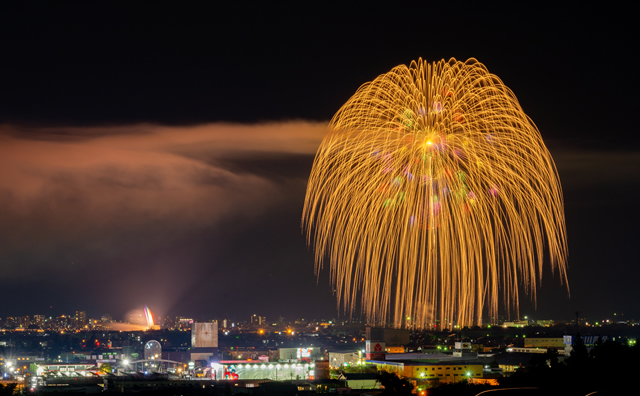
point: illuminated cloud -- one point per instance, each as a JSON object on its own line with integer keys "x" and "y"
{"x": 104, "y": 189}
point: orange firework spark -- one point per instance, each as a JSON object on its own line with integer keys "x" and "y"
{"x": 432, "y": 193}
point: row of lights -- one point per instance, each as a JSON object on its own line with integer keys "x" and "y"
{"x": 264, "y": 366}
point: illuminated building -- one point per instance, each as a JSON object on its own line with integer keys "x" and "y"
{"x": 300, "y": 354}
{"x": 248, "y": 370}
{"x": 465, "y": 349}
{"x": 517, "y": 323}
{"x": 547, "y": 342}
{"x": 526, "y": 350}
{"x": 512, "y": 362}
{"x": 80, "y": 319}
{"x": 38, "y": 320}
{"x": 74, "y": 378}
{"x": 443, "y": 372}
{"x": 250, "y": 353}
{"x": 183, "y": 323}
{"x": 10, "y": 322}
{"x": 339, "y": 359}
{"x": 25, "y": 322}
{"x": 361, "y": 380}
{"x": 64, "y": 322}
{"x": 167, "y": 323}
{"x": 204, "y": 341}
{"x": 204, "y": 335}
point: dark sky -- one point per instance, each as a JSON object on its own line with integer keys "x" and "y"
{"x": 157, "y": 153}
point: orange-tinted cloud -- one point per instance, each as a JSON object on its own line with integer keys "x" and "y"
{"x": 107, "y": 185}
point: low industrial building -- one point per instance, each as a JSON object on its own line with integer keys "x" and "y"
{"x": 309, "y": 354}
{"x": 544, "y": 342}
{"x": 341, "y": 359}
{"x": 361, "y": 380}
{"x": 444, "y": 372}
{"x": 252, "y": 370}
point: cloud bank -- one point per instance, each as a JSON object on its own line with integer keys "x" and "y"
{"x": 59, "y": 183}
{"x": 73, "y": 199}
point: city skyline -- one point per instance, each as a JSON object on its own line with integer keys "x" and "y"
{"x": 80, "y": 321}
{"x": 159, "y": 155}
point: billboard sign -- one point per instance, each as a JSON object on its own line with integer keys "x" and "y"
{"x": 204, "y": 335}
{"x": 375, "y": 346}
{"x": 304, "y": 352}
{"x": 375, "y": 350}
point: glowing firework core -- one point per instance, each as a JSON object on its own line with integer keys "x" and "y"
{"x": 147, "y": 314}
{"x": 434, "y": 194}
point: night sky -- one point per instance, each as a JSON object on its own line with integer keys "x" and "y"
{"x": 158, "y": 153}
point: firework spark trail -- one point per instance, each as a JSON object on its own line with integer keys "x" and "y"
{"x": 148, "y": 316}
{"x": 432, "y": 193}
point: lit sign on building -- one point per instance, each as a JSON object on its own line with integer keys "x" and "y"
{"x": 304, "y": 353}
{"x": 375, "y": 350}
{"x": 204, "y": 335}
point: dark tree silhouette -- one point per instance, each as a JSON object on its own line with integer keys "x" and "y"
{"x": 7, "y": 390}
{"x": 393, "y": 385}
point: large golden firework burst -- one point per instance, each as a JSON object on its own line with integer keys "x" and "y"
{"x": 433, "y": 196}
